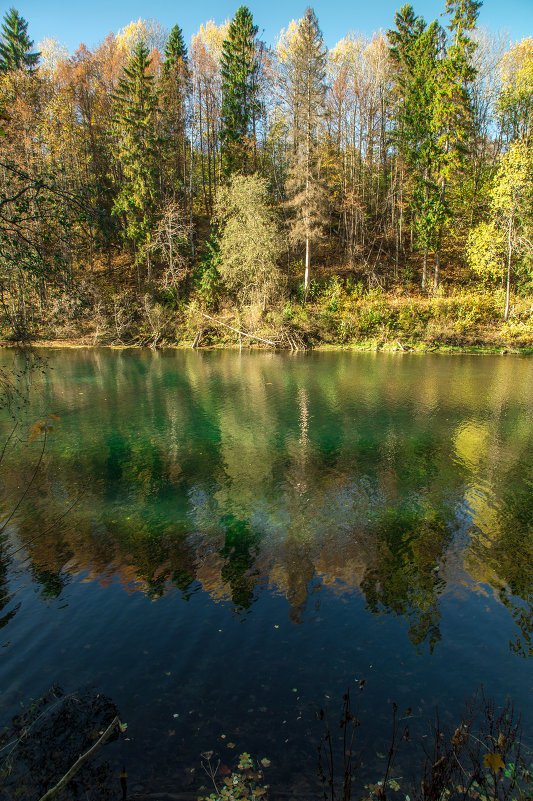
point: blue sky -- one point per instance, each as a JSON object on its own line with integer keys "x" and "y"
{"x": 75, "y": 21}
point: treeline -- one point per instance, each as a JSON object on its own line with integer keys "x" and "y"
{"x": 148, "y": 174}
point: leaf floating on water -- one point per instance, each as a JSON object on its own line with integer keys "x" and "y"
{"x": 494, "y": 762}
{"x": 276, "y": 626}
{"x": 175, "y": 715}
{"x": 230, "y": 745}
{"x": 265, "y": 762}
{"x": 123, "y": 726}
{"x": 380, "y": 756}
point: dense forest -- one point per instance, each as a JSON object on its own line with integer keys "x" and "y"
{"x": 378, "y": 193}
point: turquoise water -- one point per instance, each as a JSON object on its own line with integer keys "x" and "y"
{"x": 224, "y": 542}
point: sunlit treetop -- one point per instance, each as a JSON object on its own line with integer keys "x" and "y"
{"x": 517, "y": 66}
{"x": 149, "y": 31}
{"x": 212, "y": 37}
{"x": 15, "y": 44}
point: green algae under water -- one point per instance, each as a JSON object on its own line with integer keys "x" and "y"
{"x": 252, "y": 533}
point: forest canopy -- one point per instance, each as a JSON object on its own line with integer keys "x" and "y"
{"x": 149, "y": 181}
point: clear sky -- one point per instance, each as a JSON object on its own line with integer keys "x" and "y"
{"x": 90, "y": 21}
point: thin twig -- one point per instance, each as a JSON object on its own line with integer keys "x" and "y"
{"x": 6, "y": 443}
{"x": 28, "y": 485}
{"x": 54, "y": 792}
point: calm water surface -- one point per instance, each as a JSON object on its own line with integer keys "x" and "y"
{"x": 252, "y": 533}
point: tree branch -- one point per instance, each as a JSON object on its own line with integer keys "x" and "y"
{"x": 54, "y": 792}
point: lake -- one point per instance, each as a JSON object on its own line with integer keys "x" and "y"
{"x": 223, "y": 542}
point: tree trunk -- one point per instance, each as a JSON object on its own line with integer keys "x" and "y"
{"x": 191, "y": 237}
{"x": 509, "y": 258}
{"x": 437, "y": 270}
{"x": 307, "y": 264}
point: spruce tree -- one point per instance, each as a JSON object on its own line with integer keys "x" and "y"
{"x": 240, "y": 101}
{"x": 453, "y": 114}
{"x": 175, "y": 52}
{"x": 416, "y": 50}
{"x": 174, "y": 91}
{"x": 15, "y": 44}
{"x": 136, "y": 105}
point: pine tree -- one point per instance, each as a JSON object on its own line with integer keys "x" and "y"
{"x": 303, "y": 69}
{"x": 175, "y": 85}
{"x": 240, "y": 102}
{"x": 136, "y": 105}
{"x": 15, "y": 44}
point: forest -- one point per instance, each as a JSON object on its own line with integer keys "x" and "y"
{"x": 376, "y": 194}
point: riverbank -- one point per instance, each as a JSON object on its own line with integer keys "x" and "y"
{"x": 365, "y": 347}
{"x": 336, "y": 317}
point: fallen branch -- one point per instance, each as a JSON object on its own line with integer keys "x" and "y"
{"x": 198, "y": 338}
{"x": 54, "y": 792}
{"x": 244, "y": 334}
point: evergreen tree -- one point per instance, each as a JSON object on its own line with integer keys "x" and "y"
{"x": 15, "y": 44}
{"x": 175, "y": 52}
{"x": 240, "y": 102}
{"x": 453, "y": 114}
{"x": 174, "y": 87}
{"x": 416, "y": 49}
{"x": 303, "y": 70}
{"x": 136, "y": 105}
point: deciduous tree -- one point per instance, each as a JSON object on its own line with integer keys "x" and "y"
{"x": 250, "y": 243}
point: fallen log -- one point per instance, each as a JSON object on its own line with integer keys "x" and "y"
{"x": 242, "y": 333}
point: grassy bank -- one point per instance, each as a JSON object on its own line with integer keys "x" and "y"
{"x": 333, "y": 315}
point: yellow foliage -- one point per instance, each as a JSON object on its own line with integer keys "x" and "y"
{"x": 128, "y": 36}
{"x": 494, "y": 762}
{"x": 346, "y": 53}
{"x": 286, "y": 41}
{"x": 517, "y": 66}
{"x": 211, "y": 36}
{"x": 148, "y": 31}
{"x": 513, "y": 179}
{"x": 485, "y": 250}
{"x": 53, "y": 53}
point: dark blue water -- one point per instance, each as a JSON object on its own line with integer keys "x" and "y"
{"x": 222, "y": 543}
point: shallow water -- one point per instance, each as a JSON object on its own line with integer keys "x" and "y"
{"x": 223, "y": 542}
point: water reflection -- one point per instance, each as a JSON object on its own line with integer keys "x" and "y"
{"x": 396, "y": 477}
